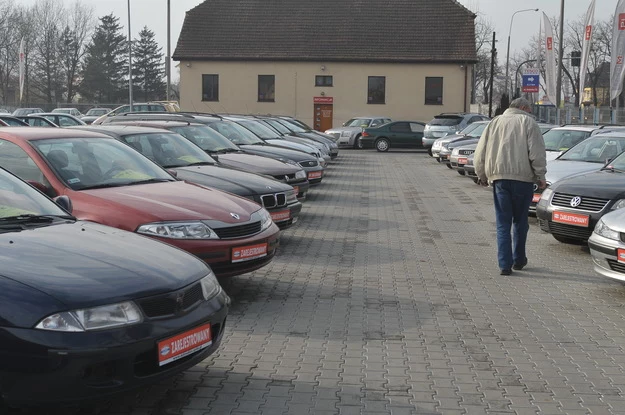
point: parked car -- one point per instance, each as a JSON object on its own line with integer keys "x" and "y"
{"x": 587, "y": 156}
{"x": 11, "y": 121}
{"x": 448, "y": 143}
{"x": 439, "y": 143}
{"x": 37, "y": 121}
{"x": 607, "y": 247}
{"x": 111, "y": 184}
{"x": 544, "y": 127}
{"x": 469, "y": 168}
{"x": 460, "y": 156}
{"x": 394, "y": 134}
{"x": 296, "y": 130}
{"x": 89, "y": 311}
{"x": 230, "y": 155}
{"x": 136, "y": 107}
{"x": 570, "y": 208}
{"x": 560, "y": 139}
{"x": 448, "y": 123}
{"x": 71, "y": 111}
{"x": 175, "y": 153}
{"x": 25, "y": 111}
{"x": 351, "y": 130}
{"x": 62, "y": 120}
{"x": 93, "y": 114}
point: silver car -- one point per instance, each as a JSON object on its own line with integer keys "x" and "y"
{"x": 448, "y": 123}
{"x": 441, "y": 145}
{"x": 606, "y": 247}
{"x": 349, "y": 134}
{"x": 560, "y": 139}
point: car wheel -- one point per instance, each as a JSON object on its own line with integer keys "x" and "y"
{"x": 430, "y": 151}
{"x": 382, "y": 145}
{"x": 566, "y": 240}
{"x": 357, "y": 142}
{"x": 461, "y": 172}
{"x": 448, "y": 165}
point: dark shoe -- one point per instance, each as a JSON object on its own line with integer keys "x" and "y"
{"x": 505, "y": 272}
{"x": 520, "y": 265}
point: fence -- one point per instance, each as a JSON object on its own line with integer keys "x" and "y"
{"x": 569, "y": 115}
{"x": 82, "y": 107}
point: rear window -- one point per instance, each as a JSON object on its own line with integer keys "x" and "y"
{"x": 446, "y": 121}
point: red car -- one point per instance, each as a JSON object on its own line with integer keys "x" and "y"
{"x": 111, "y": 184}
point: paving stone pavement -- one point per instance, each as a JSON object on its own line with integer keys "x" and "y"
{"x": 386, "y": 299}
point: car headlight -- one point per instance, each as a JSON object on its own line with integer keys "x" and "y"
{"x": 265, "y": 219}
{"x": 210, "y": 286}
{"x": 96, "y": 318}
{"x": 178, "y": 230}
{"x": 620, "y": 204}
{"x": 291, "y": 162}
{"x": 455, "y": 152}
{"x": 291, "y": 196}
{"x": 301, "y": 174}
{"x": 602, "y": 229}
{"x": 346, "y": 133}
{"x": 546, "y": 195}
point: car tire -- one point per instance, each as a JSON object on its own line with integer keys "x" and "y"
{"x": 565, "y": 240}
{"x": 461, "y": 172}
{"x": 449, "y": 166}
{"x": 356, "y": 141}
{"x": 382, "y": 145}
{"x": 475, "y": 179}
{"x": 430, "y": 151}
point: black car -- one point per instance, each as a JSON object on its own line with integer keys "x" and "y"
{"x": 177, "y": 154}
{"x": 87, "y": 311}
{"x": 570, "y": 208}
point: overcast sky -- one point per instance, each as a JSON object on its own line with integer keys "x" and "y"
{"x": 153, "y": 13}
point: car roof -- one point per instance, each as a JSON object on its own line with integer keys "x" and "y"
{"x": 121, "y": 129}
{"x": 34, "y": 133}
{"x": 586, "y": 128}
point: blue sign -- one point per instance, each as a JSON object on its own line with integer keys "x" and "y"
{"x": 531, "y": 83}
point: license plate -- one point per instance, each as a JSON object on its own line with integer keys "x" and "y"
{"x": 315, "y": 175}
{"x": 574, "y": 219}
{"x": 249, "y": 252}
{"x": 184, "y": 344}
{"x": 536, "y": 198}
{"x": 620, "y": 255}
{"x": 282, "y": 215}
{"x": 462, "y": 160}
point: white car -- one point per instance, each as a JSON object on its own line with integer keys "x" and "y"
{"x": 606, "y": 246}
{"x": 349, "y": 134}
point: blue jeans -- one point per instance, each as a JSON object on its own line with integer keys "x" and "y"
{"x": 512, "y": 203}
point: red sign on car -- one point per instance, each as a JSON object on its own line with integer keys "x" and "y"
{"x": 183, "y": 344}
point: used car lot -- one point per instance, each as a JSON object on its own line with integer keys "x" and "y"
{"x": 397, "y": 305}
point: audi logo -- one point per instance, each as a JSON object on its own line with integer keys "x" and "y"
{"x": 576, "y": 201}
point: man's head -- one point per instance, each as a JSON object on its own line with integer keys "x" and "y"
{"x": 522, "y": 104}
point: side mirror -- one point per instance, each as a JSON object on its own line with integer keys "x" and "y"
{"x": 64, "y": 202}
{"x": 173, "y": 172}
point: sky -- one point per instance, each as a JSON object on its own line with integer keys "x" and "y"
{"x": 153, "y": 13}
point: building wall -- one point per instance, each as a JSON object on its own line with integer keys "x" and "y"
{"x": 295, "y": 88}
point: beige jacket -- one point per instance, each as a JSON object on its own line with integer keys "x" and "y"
{"x": 511, "y": 148}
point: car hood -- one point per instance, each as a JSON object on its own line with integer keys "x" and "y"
{"x": 275, "y": 152}
{"x": 552, "y": 155}
{"x": 293, "y": 143}
{"x": 461, "y": 142}
{"x": 560, "y": 169}
{"x": 599, "y": 184}
{"x": 84, "y": 264}
{"x": 615, "y": 220}
{"x": 255, "y": 163}
{"x": 450, "y": 137}
{"x": 341, "y": 129}
{"x": 170, "y": 201}
{"x": 231, "y": 180}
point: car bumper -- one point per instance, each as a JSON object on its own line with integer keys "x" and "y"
{"x": 604, "y": 254}
{"x": 469, "y": 169}
{"x": 455, "y": 162}
{"x": 367, "y": 142}
{"x": 545, "y": 216}
{"x": 314, "y": 174}
{"x": 55, "y": 367}
{"x": 286, "y": 216}
{"x": 345, "y": 141}
{"x": 428, "y": 141}
{"x": 220, "y": 253}
{"x": 444, "y": 156}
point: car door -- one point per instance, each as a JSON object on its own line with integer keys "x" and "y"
{"x": 416, "y": 136}
{"x": 400, "y": 134}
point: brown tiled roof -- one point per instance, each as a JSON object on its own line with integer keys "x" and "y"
{"x": 328, "y": 30}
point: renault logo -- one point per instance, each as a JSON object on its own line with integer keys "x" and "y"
{"x": 234, "y": 215}
{"x": 576, "y": 201}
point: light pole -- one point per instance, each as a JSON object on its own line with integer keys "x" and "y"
{"x": 510, "y": 33}
{"x": 129, "y": 60}
{"x": 168, "y": 59}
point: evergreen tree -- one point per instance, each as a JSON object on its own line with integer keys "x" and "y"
{"x": 105, "y": 60}
{"x": 148, "y": 67}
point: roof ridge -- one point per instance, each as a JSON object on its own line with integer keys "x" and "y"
{"x": 465, "y": 8}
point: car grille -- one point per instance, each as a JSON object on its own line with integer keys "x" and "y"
{"x": 238, "y": 231}
{"x": 466, "y": 152}
{"x": 170, "y": 304}
{"x": 311, "y": 163}
{"x": 591, "y": 204}
{"x": 273, "y": 200}
{"x": 616, "y": 266}
{"x": 568, "y": 231}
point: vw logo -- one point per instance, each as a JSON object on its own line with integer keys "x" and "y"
{"x": 535, "y": 187}
{"x": 234, "y": 215}
{"x": 575, "y": 202}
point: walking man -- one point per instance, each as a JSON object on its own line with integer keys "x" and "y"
{"x": 511, "y": 156}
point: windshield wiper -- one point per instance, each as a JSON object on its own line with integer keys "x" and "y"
{"x": 147, "y": 181}
{"x": 102, "y": 186}
{"x": 227, "y": 150}
{"x": 200, "y": 163}
{"x": 31, "y": 218}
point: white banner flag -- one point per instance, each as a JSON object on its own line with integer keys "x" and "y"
{"x": 583, "y": 66}
{"x": 22, "y": 59}
{"x": 618, "y": 50}
{"x": 550, "y": 61}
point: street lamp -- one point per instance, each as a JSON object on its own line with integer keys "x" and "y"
{"x": 129, "y": 60}
{"x": 509, "y": 33}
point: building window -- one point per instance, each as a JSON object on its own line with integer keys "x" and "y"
{"x": 433, "y": 90}
{"x": 266, "y": 88}
{"x": 323, "y": 80}
{"x": 210, "y": 87}
{"x": 376, "y": 91}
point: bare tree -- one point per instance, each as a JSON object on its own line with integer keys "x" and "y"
{"x": 483, "y": 42}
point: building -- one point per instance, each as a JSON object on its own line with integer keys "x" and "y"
{"x": 325, "y": 61}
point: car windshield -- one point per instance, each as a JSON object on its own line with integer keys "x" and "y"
{"x": 281, "y": 128}
{"x": 83, "y": 163}
{"x": 596, "y": 149}
{"x": 62, "y": 110}
{"x": 235, "y": 133}
{"x": 300, "y": 123}
{"x": 259, "y": 129}
{"x": 205, "y": 138}
{"x": 446, "y": 120}
{"x": 292, "y": 126}
{"x": 618, "y": 164}
{"x": 95, "y": 111}
{"x": 358, "y": 122}
{"x": 13, "y": 122}
{"x": 562, "y": 140}
{"x": 18, "y": 198}
{"x": 477, "y": 130}
{"x": 168, "y": 150}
